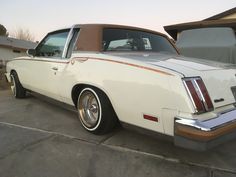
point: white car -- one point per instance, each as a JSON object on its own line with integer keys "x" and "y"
{"x": 135, "y": 76}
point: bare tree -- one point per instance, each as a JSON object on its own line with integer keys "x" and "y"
{"x": 23, "y": 34}
{"x": 3, "y": 31}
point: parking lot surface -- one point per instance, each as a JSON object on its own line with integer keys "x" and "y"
{"x": 40, "y": 138}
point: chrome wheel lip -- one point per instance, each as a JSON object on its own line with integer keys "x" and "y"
{"x": 13, "y": 85}
{"x": 89, "y": 110}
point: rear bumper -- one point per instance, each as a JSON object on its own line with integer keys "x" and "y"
{"x": 203, "y": 135}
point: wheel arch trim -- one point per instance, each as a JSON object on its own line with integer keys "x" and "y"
{"x": 80, "y": 87}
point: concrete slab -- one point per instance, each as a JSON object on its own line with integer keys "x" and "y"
{"x": 13, "y": 139}
{"x": 10, "y": 104}
{"x": 221, "y": 157}
{"x": 121, "y": 153}
{"x": 62, "y": 157}
{"x": 222, "y": 174}
{"x": 38, "y": 113}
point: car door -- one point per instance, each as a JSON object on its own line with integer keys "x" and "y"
{"x": 47, "y": 66}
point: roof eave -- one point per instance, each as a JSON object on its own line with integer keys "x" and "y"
{"x": 172, "y": 30}
{"x": 221, "y": 15}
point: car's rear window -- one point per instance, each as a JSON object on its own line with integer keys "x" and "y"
{"x": 115, "y": 39}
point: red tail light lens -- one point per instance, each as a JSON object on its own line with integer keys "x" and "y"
{"x": 198, "y": 94}
{"x": 195, "y": 97}
{"x": 205, "y": 94}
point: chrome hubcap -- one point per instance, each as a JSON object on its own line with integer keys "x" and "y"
{"x": 88, "y": 109}
{"x": 13, "y": 85}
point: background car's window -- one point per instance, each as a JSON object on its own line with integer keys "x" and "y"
{"x": 121, "y": 44}
{"x": 134, "y": 40}
{"x": 52, "y": 45}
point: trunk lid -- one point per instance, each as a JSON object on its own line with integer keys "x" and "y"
{"x": 219, "y": 78}
{"x": 220, "y": 85}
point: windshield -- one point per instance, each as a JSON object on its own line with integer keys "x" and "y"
{"x": 133, "y": 40}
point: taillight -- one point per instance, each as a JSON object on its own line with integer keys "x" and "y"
{"x": 208, "y": 105}
{"x": 198, "y": 94}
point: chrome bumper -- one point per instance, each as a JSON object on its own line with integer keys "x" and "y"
{"x": 202, "y": 135}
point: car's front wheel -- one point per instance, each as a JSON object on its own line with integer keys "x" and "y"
{"x": 17, "y": 89}
{"x": 95, "y": 111}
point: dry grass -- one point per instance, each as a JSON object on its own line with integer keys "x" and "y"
{"x": 3, "y": 83}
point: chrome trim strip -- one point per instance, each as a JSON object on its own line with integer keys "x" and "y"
{"x": 190, "y": 96}
{"x": 126, "y": 63}
{"x": 69, "y": 37}
{"x": 163, "y": 67}
{"x": 211, "y": 124}
{"x": 200, "y": 92}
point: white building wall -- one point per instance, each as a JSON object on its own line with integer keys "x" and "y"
{"x": 7, "y": 54}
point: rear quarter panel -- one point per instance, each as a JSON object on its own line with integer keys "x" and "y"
{"x": 133, "y": 91}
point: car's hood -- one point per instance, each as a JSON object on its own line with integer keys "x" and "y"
{"x": 179, "y": 64}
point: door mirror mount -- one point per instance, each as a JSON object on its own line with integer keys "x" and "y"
{"x": 31, "y": 52}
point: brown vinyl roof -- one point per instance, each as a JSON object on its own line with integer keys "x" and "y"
{"x": 102, "y": 26}
{"x": 90, "y": 38}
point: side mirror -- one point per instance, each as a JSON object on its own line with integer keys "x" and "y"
{"x": 31, "y": 52}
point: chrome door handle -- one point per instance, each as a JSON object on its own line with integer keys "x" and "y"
{"x": 55, "y": 68}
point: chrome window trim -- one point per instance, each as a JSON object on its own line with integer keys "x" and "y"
{"x": 69, "y": 37}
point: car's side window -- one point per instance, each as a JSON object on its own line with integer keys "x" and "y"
{"x": 53, "y": 44}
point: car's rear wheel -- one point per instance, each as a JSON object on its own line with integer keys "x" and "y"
{"x": 95, "y": 111}
{"x": 16, "y": 87}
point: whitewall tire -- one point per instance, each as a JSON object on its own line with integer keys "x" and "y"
{"x": 95, "y": 111}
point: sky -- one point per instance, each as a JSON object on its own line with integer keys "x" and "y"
{"x": 43, "y": 16}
